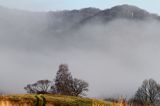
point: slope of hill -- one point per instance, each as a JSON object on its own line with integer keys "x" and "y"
{"x": 56, "y": 23}
{"x": 49, "y": 100}
{"x": 59, "y": 21}
{"x": 63, "y": 20}
{"x": 68, "y": 20}
{"x": 121, "y": 12}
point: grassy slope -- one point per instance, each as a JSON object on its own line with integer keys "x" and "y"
{"x": 57, "y": 100}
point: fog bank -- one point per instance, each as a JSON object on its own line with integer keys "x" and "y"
{"x": 114, "y": 57}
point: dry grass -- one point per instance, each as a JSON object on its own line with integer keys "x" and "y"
{"x": 56, "y": 100}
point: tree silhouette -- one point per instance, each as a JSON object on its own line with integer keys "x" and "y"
{"x": 64, "y": 84}
{"x": 148, "y": 91}
{"x": 64, "y": 80}
{"x": 67, "y": 85}
{"x": 40, "y": 87}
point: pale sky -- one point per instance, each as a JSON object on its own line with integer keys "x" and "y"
{"x": 47, "y": 5}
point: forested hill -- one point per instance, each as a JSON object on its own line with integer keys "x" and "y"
{"x": 62, "y": 20}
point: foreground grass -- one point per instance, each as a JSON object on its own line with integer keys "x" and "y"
{"x": 56, "y": 100}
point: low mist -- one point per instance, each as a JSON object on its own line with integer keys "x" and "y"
{"x": 113, "y": 57}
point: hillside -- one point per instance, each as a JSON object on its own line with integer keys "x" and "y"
{"x": 47, "y": 28}
{"x": 49, "y": 100}
{"x": 57, "y": 22}
{"x": 121, "y": 12}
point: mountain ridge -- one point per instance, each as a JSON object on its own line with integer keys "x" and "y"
{"x": 56, "y": 22}
{"x": 122, "y": 12}
{"x": 68, "y": 18}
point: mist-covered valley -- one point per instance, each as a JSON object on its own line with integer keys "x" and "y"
{"x": 114, "y": 50}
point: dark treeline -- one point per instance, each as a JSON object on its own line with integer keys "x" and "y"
{"x": 63, "y": 84}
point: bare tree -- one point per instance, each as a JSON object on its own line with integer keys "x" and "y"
{"x": 30, "y": 88}
{"x": 64, "y": 84}
{"x": 40, "y": 87}
{"x": 79, "y": 87}
{"x": 67, "y": 85}
{"x": 147, "y": 92}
